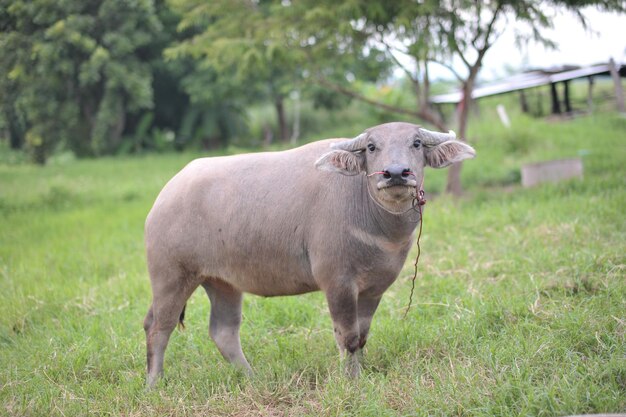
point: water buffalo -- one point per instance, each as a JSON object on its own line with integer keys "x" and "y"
{"x": 334, "y": 215}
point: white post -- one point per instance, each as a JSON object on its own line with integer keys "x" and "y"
{"x": 504, "y": 117}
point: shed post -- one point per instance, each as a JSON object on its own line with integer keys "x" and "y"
{"x": 568, "y": 105}
{"x": 539, "y": 96}
{"x": 556, "y": 106}
{"x": 590, "y": 95}
{"x": 523, "y": 102}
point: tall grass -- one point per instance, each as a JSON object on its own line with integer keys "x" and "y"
{"x": 519, "y": 307}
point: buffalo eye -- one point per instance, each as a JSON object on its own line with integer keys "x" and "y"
{"x": 417, "y": 143}
{"x": 371, "y": 147}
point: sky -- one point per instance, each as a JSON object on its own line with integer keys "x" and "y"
{"x": 604, "y": 38}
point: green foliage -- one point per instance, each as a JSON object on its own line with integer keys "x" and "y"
{"x": 80, "y": 68}
{"x": 82, "y": 75}
{"x": 148, "y": 137}
{"x": 237, "y": 46}
{"x": 518, "y": 310}
{"x": 275, "y": 52}
{"x": 316, "y": 123}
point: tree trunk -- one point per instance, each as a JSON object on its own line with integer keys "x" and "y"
{"x": 117, "y": 128}
{"x": 39, "y": 155}
{"x": 619, "y": 93}
{"x": 556, "y": 105}
{"x": 283, "y": 130}
{"x": 454, "y": 173}
{"x": 15, "y": 123}
{"x": 295, "y": 134}
{"x": 453, "y": 185}
{"x": 79, "y": 140}
{"x": 16, "y": 131}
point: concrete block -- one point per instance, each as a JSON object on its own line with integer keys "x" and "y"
{"x": 551, "y": 171}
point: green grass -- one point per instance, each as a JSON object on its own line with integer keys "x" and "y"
{"x": 519, "y": 306}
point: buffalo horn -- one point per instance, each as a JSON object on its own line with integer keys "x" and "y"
{"x": 430, "y": 138}
{"x": 351, "y": 145}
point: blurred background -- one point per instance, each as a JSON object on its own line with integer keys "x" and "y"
{"x": 110, "y": 77}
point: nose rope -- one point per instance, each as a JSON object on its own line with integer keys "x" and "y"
{"x": 418, "y": 202}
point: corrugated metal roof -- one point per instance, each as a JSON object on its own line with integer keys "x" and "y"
{"x": 521, "y": 82}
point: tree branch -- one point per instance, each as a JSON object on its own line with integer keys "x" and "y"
{"x": 487, "y": 43}
{"x": 455, "y": 46}
{"x": 448, "y": 67}
{"x": 460, "y": 54}
{"x": 425, "y": 115}
{"x": 395, "y": 48}
{"x": 408, "y": 73}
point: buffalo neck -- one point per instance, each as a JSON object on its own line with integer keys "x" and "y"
{"x": 395, "y": 226}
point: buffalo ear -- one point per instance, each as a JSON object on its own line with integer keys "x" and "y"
{"x": 447, "y": 153}
{"x": 343, "y": 162}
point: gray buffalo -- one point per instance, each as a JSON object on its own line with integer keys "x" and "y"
{"x": 334, "y": 215}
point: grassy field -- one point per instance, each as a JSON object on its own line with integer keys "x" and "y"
{"x": 519, "y": 308}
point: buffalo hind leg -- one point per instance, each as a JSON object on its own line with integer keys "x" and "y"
{"x": 167, "y": 305}
{"x": 342, "y": 303}
{"x": 225, "y": 321}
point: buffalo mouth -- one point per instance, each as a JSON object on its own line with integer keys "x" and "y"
{"x": 397, "y": 184}
{"x": 396, "y": 191}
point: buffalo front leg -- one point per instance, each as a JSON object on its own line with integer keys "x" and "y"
{"x": 342, "y": 303}
{"x": 226, "y": 303}
{"x": 366, "y": 309}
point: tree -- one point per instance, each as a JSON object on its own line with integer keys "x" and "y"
{"x": 416, "y": 34}
{"x": 238, "y": 41}
{"x": 468, "y": 29}
{"x": 260, "y": 50}
{"x": 343, "y": 39}
{"x": 80, "y": 69}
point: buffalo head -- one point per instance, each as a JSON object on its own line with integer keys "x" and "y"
{"x": 393, "y": 156}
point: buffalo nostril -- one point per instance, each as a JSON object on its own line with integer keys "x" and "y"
{"x": 396, "y": 172}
